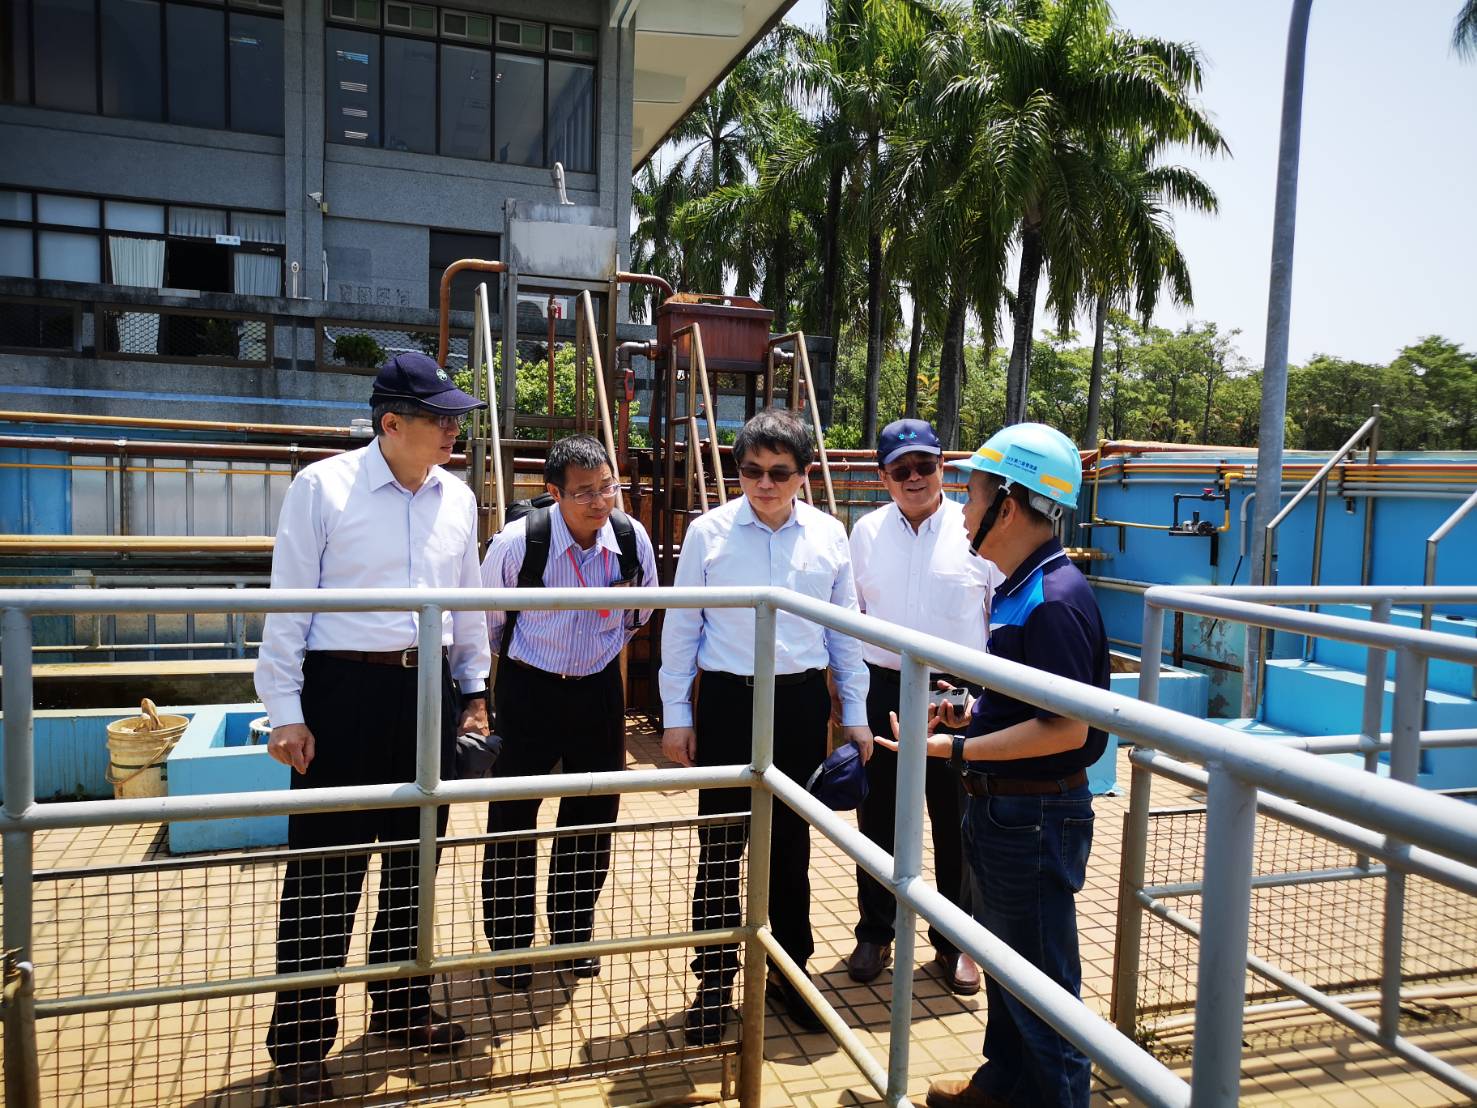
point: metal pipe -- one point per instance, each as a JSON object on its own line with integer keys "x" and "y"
{"x": 1423, "y": 1059}
{"x": 1140, "y": 1073}
{"x": 761, "y": 823}
{"x": 494, "y": 426}
{"x": 1405, "y": 757}
{"x": 443, "y": 337}
{"x": 231, "y": 427}
{"x": 835, "y": 1026}
{"x": 586, "y": 310}
{"x": 1276, "y": 1008}
{"x": 1415, "y": 860}
{"x": 1220, "y": 989}
{"x": 907, "y": 861}
{"x": 20, "y": 798}
{"x": 1433, "y": 542}
{"x": 170, "y": 448}
{"x": 1366, "y": 552}
{"x": 1293, "y": 879}
{"x": 1375, "y": 663}
{"x": 646, "y": 279}
{"x": 427, "y": 773}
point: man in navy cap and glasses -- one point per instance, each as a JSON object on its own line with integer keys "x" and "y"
{"x": 913, "y": 567}
{"x": 340, "y": 690}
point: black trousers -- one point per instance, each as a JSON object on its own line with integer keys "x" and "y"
{"x": 724, "y": 721}
{"x": 944, "y": 797}
{"x": 362, "y": 716}
{"x": 545, "y": 719}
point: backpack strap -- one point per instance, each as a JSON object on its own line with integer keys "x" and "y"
{"x": 625, "y": 538}
{"x": 538, "y": 532}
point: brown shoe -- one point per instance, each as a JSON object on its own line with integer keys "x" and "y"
{"x": 960, "y": 1092}
{"x": 959, "y": 973}
{"x": 868, "y": 960}
{"x": 434, "y": 1034}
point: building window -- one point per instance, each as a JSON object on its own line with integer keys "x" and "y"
{"x": 507, "y": 90}
{"x": 192, "y": 62}
{"x": 148, "y": 244}
{"x": 452, "y": 246}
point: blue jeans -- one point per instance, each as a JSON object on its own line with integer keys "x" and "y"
{"x": 1029, "y": 856}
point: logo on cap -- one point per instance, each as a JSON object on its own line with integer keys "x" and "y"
{"x": 441, "y": 374}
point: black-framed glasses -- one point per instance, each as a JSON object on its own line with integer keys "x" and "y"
{"x": 589, "y": 496}
{"x": 778, "y": 474}
{"x": 923, "y": 469}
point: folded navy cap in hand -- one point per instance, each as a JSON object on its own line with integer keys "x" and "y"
{"x": 840, "y": 782}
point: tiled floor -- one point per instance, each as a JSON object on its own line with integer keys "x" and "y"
{"x": 162, "y": 929}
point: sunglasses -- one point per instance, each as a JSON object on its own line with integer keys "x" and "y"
{"x": 779, "y": 474}
{"x": 907, "y": 469}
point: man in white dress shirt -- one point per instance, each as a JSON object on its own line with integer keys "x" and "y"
{"x": 340, "y": 689}
{"x": 914, "y": 568}
{"x": 766, "y": 537}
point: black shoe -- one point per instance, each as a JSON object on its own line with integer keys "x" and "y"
{"x": 703, "y": 1024}
{"x": 518, "y": 978}
{"x": 431, "y": 1032}
{"x": 582, "y": 967}
{"x": 306, "y": 1083}
{"x": 795, "y": 1005}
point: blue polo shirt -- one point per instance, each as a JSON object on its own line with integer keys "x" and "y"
{"x": 1044, "y": 616}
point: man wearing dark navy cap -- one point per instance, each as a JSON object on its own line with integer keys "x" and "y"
{"x": 340, "y": 689}
{"x": 914, "y": 568}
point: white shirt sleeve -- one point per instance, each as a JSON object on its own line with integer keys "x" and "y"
{"x": 470, "y": 656}
{"x": 848, "y": 670}
{"x": 682, "y": 633}
{"x": 295, "y": 565}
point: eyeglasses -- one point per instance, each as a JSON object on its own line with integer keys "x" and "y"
{"x": 445, "y": 422}
{"x": 907, "y": 469}
{"x": 589, "y": 496}
{"x": 778, "y": 474}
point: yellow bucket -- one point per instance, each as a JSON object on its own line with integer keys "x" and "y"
{"x": 137, "y": 748}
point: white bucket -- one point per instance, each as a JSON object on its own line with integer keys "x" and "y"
{"x": 137, "y": 748}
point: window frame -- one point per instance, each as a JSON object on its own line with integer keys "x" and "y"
{"x": 264, "y": 8}
{"x": 545, "y": 53}
{"x": 102, "y": 232}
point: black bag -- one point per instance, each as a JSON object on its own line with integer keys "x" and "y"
{"x": 476, "y": 754}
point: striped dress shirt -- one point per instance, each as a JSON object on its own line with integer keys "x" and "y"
{"x": 572, "y": 644}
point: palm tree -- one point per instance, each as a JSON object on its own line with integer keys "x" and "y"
{"x": 1134, "y": 253}
{"x": 655, "y": 248}
{"x": 1053, "y": 81}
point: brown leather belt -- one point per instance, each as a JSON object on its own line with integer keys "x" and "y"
{"x": 987, "y": 784}
{"x": 405, "y": 659}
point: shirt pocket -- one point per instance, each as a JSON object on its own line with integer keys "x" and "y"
{"x": 815, "y": 580}
{"x": 956, "y": 597}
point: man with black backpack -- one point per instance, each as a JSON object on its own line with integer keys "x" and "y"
{"x": 558, "y": 695}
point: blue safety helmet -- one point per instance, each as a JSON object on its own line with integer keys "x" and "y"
{"x": 1039, "y": 457}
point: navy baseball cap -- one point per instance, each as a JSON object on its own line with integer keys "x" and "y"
{"x": 840, "y": 782}
{"x": 417, "y": 377}
{"x": 906, "y": 436}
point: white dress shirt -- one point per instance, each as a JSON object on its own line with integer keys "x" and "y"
{"x": 571, "y": 644}
{"x": 926, "y": 580}
{"x": 346, "y": 523}
{"x": 729, "y": 546}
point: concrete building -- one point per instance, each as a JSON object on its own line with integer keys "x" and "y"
{"x": 227, "y": 208}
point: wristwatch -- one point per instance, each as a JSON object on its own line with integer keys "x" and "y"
{"x": 956, "y": 757}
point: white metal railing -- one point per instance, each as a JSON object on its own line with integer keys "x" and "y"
{"x": 1223, "y": 932}
{"x": 1437, "y": 835}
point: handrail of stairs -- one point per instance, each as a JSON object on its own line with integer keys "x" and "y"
{"x": 1432, "y": 543}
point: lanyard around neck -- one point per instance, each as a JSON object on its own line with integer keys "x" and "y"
{"x": 604, "y": 566}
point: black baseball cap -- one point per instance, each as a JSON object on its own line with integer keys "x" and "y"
{"x": 906, "y": 436}
{"x": 417, "y": 378}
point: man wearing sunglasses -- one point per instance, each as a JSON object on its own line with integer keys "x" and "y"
{"x": 914, "y": 568}
{"x": 565, "y": 664}
{"x": 341, "y": 691}
{"x": 766, "y": 537}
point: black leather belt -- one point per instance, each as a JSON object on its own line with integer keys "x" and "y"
{"x": 895, "y": 677}
{"x": 779, "y": 678}
{"x": 563, "y": 676}
{"x": 987, "y": 784}
{"x": 405, "y": 659}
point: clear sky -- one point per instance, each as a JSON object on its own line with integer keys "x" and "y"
{"x": 1387, "y": 193}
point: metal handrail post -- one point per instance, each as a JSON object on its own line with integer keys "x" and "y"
{"x": 427, "y": 774}
{"x": 1317, "y": 568}
{"x": 483, "y": 360}
{"x": 1434, "y": 541}
{"x": 1230, "y": 834}
{"x": 585, "y": 308}
{"x": 751, "y": 1046}
{"x": 1366, "y": 553}
{"x": 907, "y": 861}
{"x": 1127, "y": 950}
{"x": 1405, "y": 761}
{"x": 22, "y": 1088}
{"x": 1376, "y": 661}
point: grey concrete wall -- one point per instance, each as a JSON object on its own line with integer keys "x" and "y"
{"x": 376, "y": 263}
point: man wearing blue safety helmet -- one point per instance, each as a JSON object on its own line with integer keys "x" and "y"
{"x": 1028, "y": 822}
